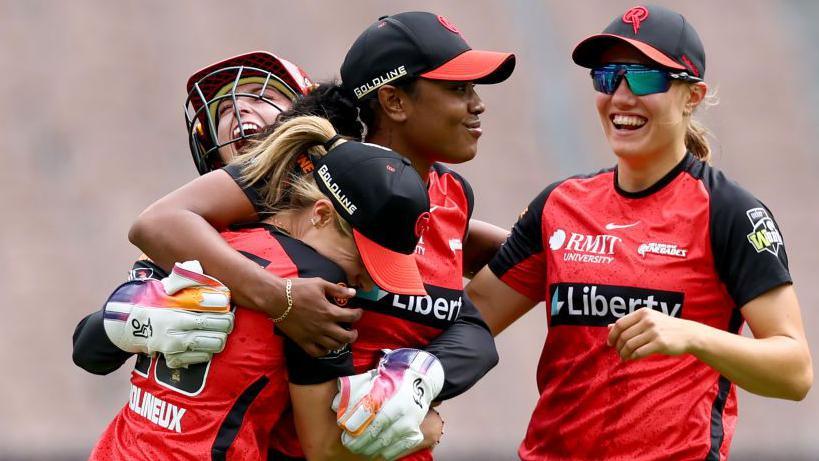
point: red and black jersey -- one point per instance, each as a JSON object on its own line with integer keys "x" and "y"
{"x": 462, "y": 341}
{"x": 694, "y": 246}
{"x": 393, "y": 321}
{"x": 227, "y": 408}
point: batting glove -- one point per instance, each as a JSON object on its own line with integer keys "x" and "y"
{"x": 185, "y": 316}
{"x": 381, "y": 410}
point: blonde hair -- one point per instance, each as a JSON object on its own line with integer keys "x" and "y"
{"x": 696, "y": 134}
{"x": 273, "y": 160}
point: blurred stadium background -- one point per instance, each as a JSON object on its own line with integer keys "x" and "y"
{"x": 91, "y": 132}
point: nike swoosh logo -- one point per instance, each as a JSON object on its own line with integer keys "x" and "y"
{"x": 612, "y": 226}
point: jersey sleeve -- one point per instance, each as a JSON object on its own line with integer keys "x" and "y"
{"x": 749, "y": 252}
{"x": 466, "y": 350}
{"x": 254, "y": 191}
{"x": 93, "y": 351}
{"x": 521, "y": 262}
{"x": 302, "y": 368}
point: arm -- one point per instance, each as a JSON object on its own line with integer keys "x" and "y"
{"x": 775, "y": 363}
{"x": 499, "y": 304}
{"x": 93, "y": 351}
{"x": 214, "y": 201}
{"x": 482, "y": 242}
{"x": 466, "y": 350}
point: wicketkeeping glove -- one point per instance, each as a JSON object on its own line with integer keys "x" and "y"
{"x": 381, "y": 410}
{"x": 185, "y": 316}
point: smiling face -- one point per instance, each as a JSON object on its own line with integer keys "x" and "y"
{"x": 443, "y": 121}
{"x": 254, "y": 113}
{"x": 652, "y": 126}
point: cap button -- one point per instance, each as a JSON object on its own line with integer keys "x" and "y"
{"x": 383, "y": 17}
{"x": 406, "y": 161}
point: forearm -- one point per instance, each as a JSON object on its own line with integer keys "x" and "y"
{"x": 466, "y": 351}
{"x": 168, "y": 236}
{"x": 776, "y": 366}
{"x": 93, "y": 351}
{"x": 482, "y": 242}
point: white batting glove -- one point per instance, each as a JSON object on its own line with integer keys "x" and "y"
{"x": 381, "y": 410}
{"x": 185, "y": 316}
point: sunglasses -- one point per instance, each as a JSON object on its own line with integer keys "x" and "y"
{"x": 641, "y": 80}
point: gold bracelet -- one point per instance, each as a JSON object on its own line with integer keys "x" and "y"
{"x": 288, "y": 292}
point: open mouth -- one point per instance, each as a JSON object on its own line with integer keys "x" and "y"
{"x": 628, "y": 122}
{"x": 244, "y": 131}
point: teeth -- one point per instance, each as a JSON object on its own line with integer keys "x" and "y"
{"x": 249, "y": 128}
{"x": 628, "y": 120}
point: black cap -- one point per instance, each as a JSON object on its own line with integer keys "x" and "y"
{"x": 662, "y": 35}
{"x": 418, "y": 44}
{"x": 384, "y": 199}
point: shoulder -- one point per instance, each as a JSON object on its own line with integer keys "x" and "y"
{"x": 572, "y": 186}
{"x": 263, "y": 243}
{"x": 450, "y": 181}
{"x": 723, "y": 191}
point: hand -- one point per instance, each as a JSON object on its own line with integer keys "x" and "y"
{"x": 646, "y": 331}
{"x": 314, "y": 323}
{"x": 185, "y": 316}
{"x": 381, "y": 411}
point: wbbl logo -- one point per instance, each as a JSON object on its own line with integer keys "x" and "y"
{"x": 765, "y": 236}
{"x": 600, "y": 305}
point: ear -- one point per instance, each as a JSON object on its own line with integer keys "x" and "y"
{"x": 696, "y": 94}
{"x": 322, "y": 213}
{"x": 393, "y": 103}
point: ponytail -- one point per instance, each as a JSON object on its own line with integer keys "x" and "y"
{"x": 332, "y": 102}
{"x": 273, "y": 160}
{"x": 696, "y": 134}
{"x": 696, "y": 140}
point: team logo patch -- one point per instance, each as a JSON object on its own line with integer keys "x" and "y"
{"x": 446, "y": 23}
{"x": 422, "y": 224}
{"x": 665, "y": 249}
{"x": 597, "y": 249}
{"x": 635, "y": 16}
{"x": 765, "y": 236}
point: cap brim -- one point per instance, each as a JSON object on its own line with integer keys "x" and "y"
{"x": 391, "y": 271}
{"x": 475, "y": 65}
{"x": 587, "y": 52}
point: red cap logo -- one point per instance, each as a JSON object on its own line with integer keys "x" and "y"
{"x": 635, "y": 16}
{"x": 422, "y": 224}
{"x": 445, "y": 22}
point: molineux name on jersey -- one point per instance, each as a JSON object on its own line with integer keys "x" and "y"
{"x": 156, "y": 410}
{"x": 598, "y": 249}
{"x": 600, "y": 305}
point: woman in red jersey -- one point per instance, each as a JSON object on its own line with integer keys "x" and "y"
{"x": 364, "y": 225}
{"x": 648, "y": 270}
{"x": 418, "y": 98}
{"x": 228, "y": 104}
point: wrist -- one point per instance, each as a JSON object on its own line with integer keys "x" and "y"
{"x": 265, "y": 293}
{"x": 697, "y": 338}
